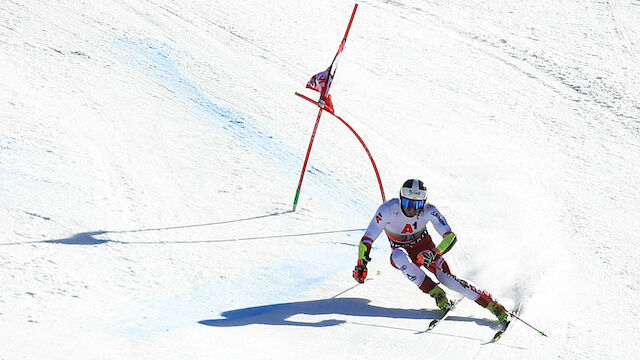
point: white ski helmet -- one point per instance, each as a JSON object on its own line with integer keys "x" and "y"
{"x": 413, "y": 195}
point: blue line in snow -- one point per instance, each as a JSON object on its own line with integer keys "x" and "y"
{"x": 273, "y": 283}
{"x": 160, "y": 62}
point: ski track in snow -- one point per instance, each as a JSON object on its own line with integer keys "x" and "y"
{"x": 569, "y": 83}
{"x": 620, "y": 28}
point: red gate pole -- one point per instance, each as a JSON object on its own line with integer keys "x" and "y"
{"x": 306, "y": 159}
{"x": 375, "y": 168}
{"x": 323, "y": 95}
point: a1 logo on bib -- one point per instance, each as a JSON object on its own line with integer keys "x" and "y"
{"x": 407, "y": 229}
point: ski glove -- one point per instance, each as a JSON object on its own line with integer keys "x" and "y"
{"x": 360, "y": 271}
{"x": 428, "y": 256}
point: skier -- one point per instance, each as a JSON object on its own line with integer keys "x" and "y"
{"x": 404, "y": 221}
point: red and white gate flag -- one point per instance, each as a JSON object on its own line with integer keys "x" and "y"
{"x": 321, "y": 82}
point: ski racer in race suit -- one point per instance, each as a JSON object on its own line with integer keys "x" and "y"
{"x": 404, "y": 221}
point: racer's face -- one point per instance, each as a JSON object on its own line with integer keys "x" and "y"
{"x": 411, "y": 212}
{"x": 410, "y": 207}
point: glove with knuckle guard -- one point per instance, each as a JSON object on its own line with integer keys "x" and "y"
{"x": 427, "y": 257}
{"x": 360, "y": 271}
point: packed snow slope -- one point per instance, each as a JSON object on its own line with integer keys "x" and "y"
{"x": 150, "y": 151}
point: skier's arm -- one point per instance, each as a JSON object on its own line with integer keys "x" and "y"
{"x": 443, "y": 228}
{"x": 373, "y": 231}
{"x": 447, "y": 242}
{"x": 376, "y": 225}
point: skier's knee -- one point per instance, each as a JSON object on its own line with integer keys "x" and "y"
{"x": 392, "y": 263}
{"x": 398, "y": 258}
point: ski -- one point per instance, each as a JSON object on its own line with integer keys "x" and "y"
{"x": 435, "y": 322}
{"x": 501, "y": 332}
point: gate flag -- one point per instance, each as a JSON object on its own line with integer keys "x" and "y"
{"x": 321, "y": 82}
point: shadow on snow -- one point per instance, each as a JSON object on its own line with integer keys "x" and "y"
{"x": 91, "y": 237}
{"x": 279, "y": 314}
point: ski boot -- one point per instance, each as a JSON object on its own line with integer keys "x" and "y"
{"x": 499, "y": 313}
{"x": 441, "y": 298}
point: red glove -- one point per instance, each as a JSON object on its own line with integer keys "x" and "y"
{"x": 427, "y": 257}
{"x": 360, "y": 271}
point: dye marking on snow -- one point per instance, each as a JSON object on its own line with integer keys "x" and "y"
{"x": 284, "y": 281}
{"x": 161, "y": 62}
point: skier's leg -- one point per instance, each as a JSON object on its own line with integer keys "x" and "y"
{"x": 400, "y": 260}
{"x": 458, "y": 285}
{"x": 463, "y": 287}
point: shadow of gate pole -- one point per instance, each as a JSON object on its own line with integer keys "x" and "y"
{"x": 91, "y": 237}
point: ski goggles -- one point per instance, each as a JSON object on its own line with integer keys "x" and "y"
{"x": 412, "y": 204}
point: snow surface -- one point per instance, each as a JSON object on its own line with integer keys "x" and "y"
{"x": 150, "y": 151}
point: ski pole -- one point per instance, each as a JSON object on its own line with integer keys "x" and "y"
{"x": 466, "y": 285}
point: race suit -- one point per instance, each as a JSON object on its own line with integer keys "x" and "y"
{"x": 408, "y": 237}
